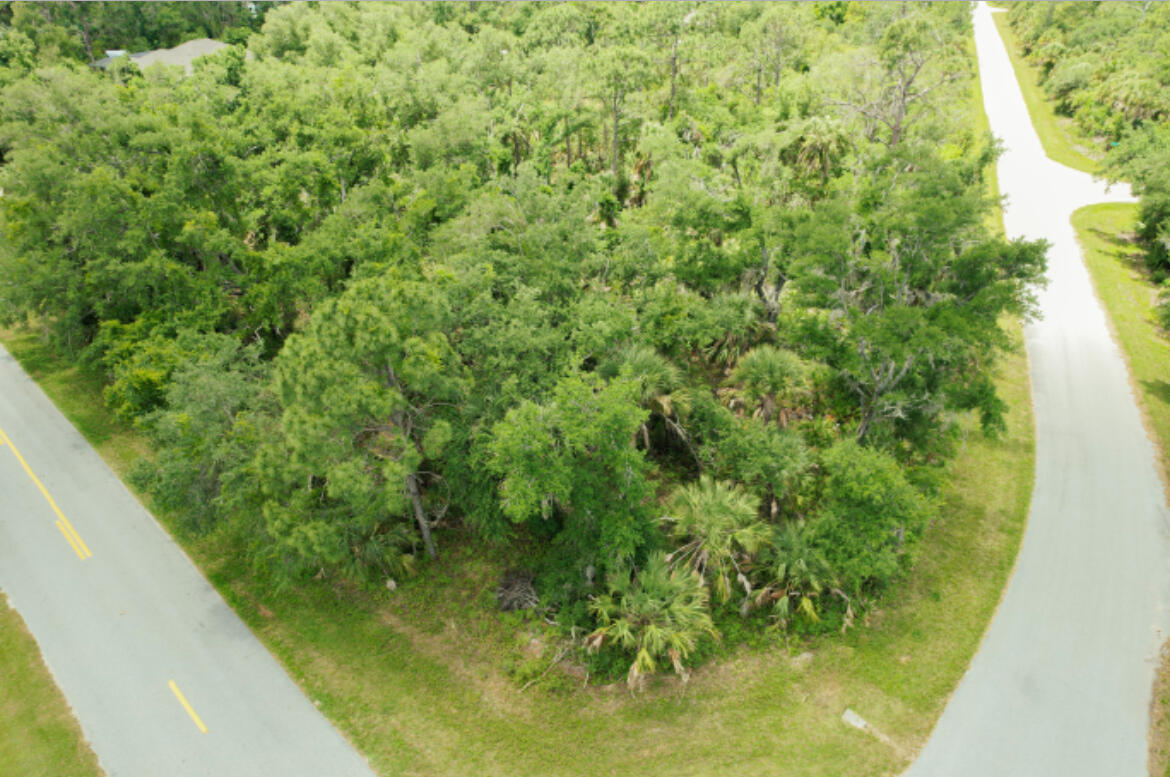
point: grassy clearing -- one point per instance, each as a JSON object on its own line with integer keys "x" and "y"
{"x": 38, "y": 734}
{"x": 427, "y": 680}
{"x": 1061, "y": 140}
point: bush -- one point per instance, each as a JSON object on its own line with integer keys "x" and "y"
{"x": 870, "y": 517}
{"x": 654, "y": 614}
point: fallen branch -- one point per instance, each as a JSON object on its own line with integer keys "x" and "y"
{"x": 564, "y": 651}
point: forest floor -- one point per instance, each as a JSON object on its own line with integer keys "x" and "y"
{"x": 1130, "y": 297}
{"x": 38, "y": 734}
{"x": 1059, "y": 135}
{"x": 429, "y": 679}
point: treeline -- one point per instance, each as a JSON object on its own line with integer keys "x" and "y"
{"x": 679, "y": 302}
{"x": 1107, "y": 65}
{"x": 83, "y": 31}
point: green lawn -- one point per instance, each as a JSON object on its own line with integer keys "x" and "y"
{"x": 1059, "y": 136}
{"x": 39, "y": 737}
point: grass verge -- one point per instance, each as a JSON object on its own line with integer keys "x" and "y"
{"x": 38, "y": 734}
{"x": 1115, "y": 263}
{"x": 1159, "y": 763}
{"x": 1120, "y": 278}
{"x": 1059, "y": 136}
{"x": 428, "y": 680}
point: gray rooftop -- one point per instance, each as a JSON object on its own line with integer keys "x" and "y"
{"x": 183, "y": 54}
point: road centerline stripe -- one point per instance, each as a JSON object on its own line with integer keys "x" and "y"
{"x": 69, "y": 539}
{"x": 63, "y": 524}
{"x": 186, "y": 705}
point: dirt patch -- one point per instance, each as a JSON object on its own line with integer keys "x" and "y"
{"x": 447, "y": 647}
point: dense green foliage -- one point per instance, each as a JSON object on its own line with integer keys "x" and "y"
{"x": 85, "y": 31}
{"x": 1107, "y": 65}
{"x": 678, "y": 300}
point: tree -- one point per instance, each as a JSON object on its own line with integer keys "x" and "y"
{"x": 617, "y": 72}
{"x": 869, "y": 516}
{"x": 720, "y": 528}
{"x": 205, "y": 435}
{"x": 662, "y": 390}
{"x": 914, "y": 60}
{"x": 771, "y": 461}
{"x": 769, "y": 379}
{"x": 820, "y": 142}
{"x": 572, "y": 461}
{"x": 352, "y": 296}
{"x": 366, "y": 391}
{"x": 655, "y": 613}
{"x": 797, "y": 574}
{"x": 771, "y": 41}
{"x": 915, "y": 306}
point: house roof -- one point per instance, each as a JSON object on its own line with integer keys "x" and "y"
{"x": 183, "y": 54}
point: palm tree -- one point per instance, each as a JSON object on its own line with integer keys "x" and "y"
{"x": 657, "y": 613}
{"x": 822, "y": 141}
{"x": 720, "y": 526}
{"x": 661, "y": 388}
{"x": 798, "y": 574}
{"x": 769, "y": 378}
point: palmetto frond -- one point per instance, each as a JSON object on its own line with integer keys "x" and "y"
{"x": 720, "y": 525}
{"x": 799, "y": 573}
{"x": 657, "y": 613}
{"x": 767, "y": 378}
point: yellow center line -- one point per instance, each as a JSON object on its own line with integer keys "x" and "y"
{"x": 69, "y": 539}
{"x": 63, "y": 524}
{"x": 183, "y": 700}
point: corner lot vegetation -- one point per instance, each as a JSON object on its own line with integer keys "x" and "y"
{"x": 674, "y": 307}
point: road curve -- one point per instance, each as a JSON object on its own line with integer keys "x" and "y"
{"x": 163, "y": 676}
{"x": 1061, "y": 685}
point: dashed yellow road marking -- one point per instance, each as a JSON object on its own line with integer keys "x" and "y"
{"x": 183, "y": 700}
{"x": 63, "y": 524}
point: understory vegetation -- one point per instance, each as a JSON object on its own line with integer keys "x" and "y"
{"x": 431, "y": 679}
{"x": 677, "y": 306}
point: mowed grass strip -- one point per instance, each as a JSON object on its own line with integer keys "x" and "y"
{"x": 1119, "y": 275}
{"x": 1059, "y": 135}
{"x": 39, "y": 737}
{"x": 423, "y": 680}
{"x": 1117, "y": 267}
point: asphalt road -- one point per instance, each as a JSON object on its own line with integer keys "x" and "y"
{"x": 1061, "y": 685}
{"x": 164, "y": 678}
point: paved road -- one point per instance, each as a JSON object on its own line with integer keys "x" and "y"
{"x": 1061, "y": 684}
{"x": 130, "y": 630}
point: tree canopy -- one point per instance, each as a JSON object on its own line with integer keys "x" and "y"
{"x": 681, "y": 301}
